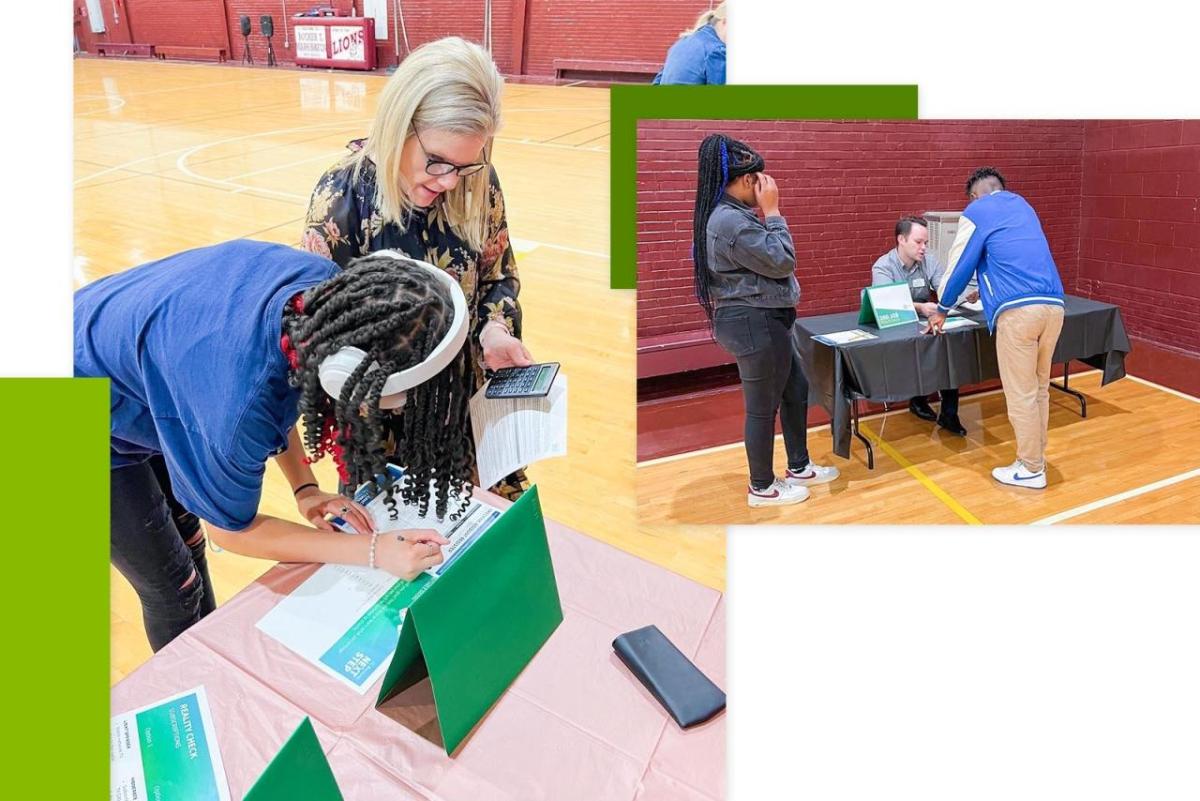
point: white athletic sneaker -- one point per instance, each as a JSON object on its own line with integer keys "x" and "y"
{"x": 1017, "y": 475}
{"x": 812, "y": 474}
{"x": 780, "y": 493}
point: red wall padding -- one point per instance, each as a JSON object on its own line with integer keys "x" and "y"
{"x": 842, "y": 186}
{"x": 620, "y": 30}
{"x": 1140, "y": 232}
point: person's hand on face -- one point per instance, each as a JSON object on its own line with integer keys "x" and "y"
{"x": 766, "y": 194}
{"x": 407, "y": 553}
{"x": 501, "y": 349}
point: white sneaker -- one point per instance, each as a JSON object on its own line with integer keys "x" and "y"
{"x": 812, "y": 474}
{"x": 780, "y": 493}
{"x": 1017, "y": 475}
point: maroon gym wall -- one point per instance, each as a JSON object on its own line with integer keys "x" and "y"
{"x": 527, "y": 35}
{"x": 1118, "y": 199}
{"x": 1139, "y": 241}
{"x": 842, "y": 186}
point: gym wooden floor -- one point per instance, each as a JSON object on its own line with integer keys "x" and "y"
{"x": 174, "y": 156}
{"x": 1134, "y": 459}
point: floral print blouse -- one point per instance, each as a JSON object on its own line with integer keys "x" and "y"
{"x": 343, "y": 223}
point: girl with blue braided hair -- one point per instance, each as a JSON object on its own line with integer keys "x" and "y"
{"x": 745, "y": 280}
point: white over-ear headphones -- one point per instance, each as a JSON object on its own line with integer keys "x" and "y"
{"x": 336, "y": 368}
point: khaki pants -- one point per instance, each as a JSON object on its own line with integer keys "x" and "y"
{"x": 1025, "y": 340}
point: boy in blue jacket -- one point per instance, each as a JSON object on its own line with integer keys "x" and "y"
{"x": 1000, "y": 238}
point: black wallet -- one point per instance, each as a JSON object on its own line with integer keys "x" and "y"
{"x": 670, "y": 676}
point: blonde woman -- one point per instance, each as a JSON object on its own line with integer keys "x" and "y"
{"x": 699, "y": 55}
{"x": 422, "y": 183}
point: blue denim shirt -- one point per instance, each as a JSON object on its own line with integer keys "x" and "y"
{"x": 752, "y": 262}
{"x": 698, "y": 58}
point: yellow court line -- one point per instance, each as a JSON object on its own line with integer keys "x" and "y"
{"x": 925, "y": 480}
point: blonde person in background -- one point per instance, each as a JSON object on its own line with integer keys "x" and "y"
{"x": 422, "y": 183}
{"x": 699, "y": 55}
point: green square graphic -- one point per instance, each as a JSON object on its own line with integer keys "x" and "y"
{"x": 54, "y": 576}
{"x": 633, "y": 103}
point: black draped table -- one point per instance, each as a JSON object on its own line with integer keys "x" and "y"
{"x": 902, "y": 363}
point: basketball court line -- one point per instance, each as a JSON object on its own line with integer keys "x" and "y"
{"x": 577, "y": 130}
{"x": 1167, "y": 390}
{"x": 109, "y": 108}
{"x": 948, "y": 499}
{"x": 928, "y": 483}
{"x": 1114, "y": 499}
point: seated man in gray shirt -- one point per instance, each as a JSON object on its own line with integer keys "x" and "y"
{"x": 909, "y": 262}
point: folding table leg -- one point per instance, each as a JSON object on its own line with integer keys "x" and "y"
{"x": 854, "y": 430}
{"x": 1065, "y": 387}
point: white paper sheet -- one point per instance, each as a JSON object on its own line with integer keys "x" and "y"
{"x": 344, "y": 619}
{"x": 511, "y": 433}
{"x": 845, "y": 337}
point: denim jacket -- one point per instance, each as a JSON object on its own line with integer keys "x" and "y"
{"x": 751, "y": 262}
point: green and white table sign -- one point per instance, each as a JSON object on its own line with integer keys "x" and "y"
{"x": 887, "y": 305}
{"x": 167, "y": 750}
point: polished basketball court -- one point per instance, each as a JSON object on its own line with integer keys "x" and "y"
{"x": 1135, "y": 458}
{"x": 171, "y": 156}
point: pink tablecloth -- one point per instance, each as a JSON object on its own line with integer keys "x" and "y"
{"x": 575, "y": 725}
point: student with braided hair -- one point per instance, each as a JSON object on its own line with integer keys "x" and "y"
{"x": 422, "y": 183}
{"x": 746, "y": 283}
{"x": 214, "y": 353}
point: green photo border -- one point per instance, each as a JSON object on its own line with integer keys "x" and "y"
{"x": 633, "y": 103}
{"x": 54, "y": 574}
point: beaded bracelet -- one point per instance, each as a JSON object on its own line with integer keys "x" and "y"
{"x": 371, "y": 552}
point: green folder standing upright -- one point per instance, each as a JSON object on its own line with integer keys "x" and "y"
{"x": 887, "y": 305}
{"x": 477, "y": 626}
{"x": 299, "y": 770}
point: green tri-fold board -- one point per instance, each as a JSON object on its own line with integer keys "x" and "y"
{"x": 480, "y": 623}
{"x": 299, "y": 770}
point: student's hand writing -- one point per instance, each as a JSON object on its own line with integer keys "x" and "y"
{"x": 314, "y": 505}
{"x": 766, "y": 195}
{"x": 409, "y": 552}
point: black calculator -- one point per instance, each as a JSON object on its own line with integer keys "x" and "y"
{"x": 533, "y": 381}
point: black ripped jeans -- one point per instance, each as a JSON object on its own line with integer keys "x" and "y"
{"x": 773, "y": 383}
{"x": 149, "y": 534}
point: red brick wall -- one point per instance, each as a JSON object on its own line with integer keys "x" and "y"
{"x": 620, "y": 30}
{"x": 1140, "y": 230}
{"x": 842, "y": 187}
{"x": 116, "y": 26}
{"x": 616, "y": 30}
{"x": 194, "y": 23}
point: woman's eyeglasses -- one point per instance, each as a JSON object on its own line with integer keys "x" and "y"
{"x": 439, "y": 167}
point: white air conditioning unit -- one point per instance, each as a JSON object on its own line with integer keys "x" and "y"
{"x": 943, "y": 227}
